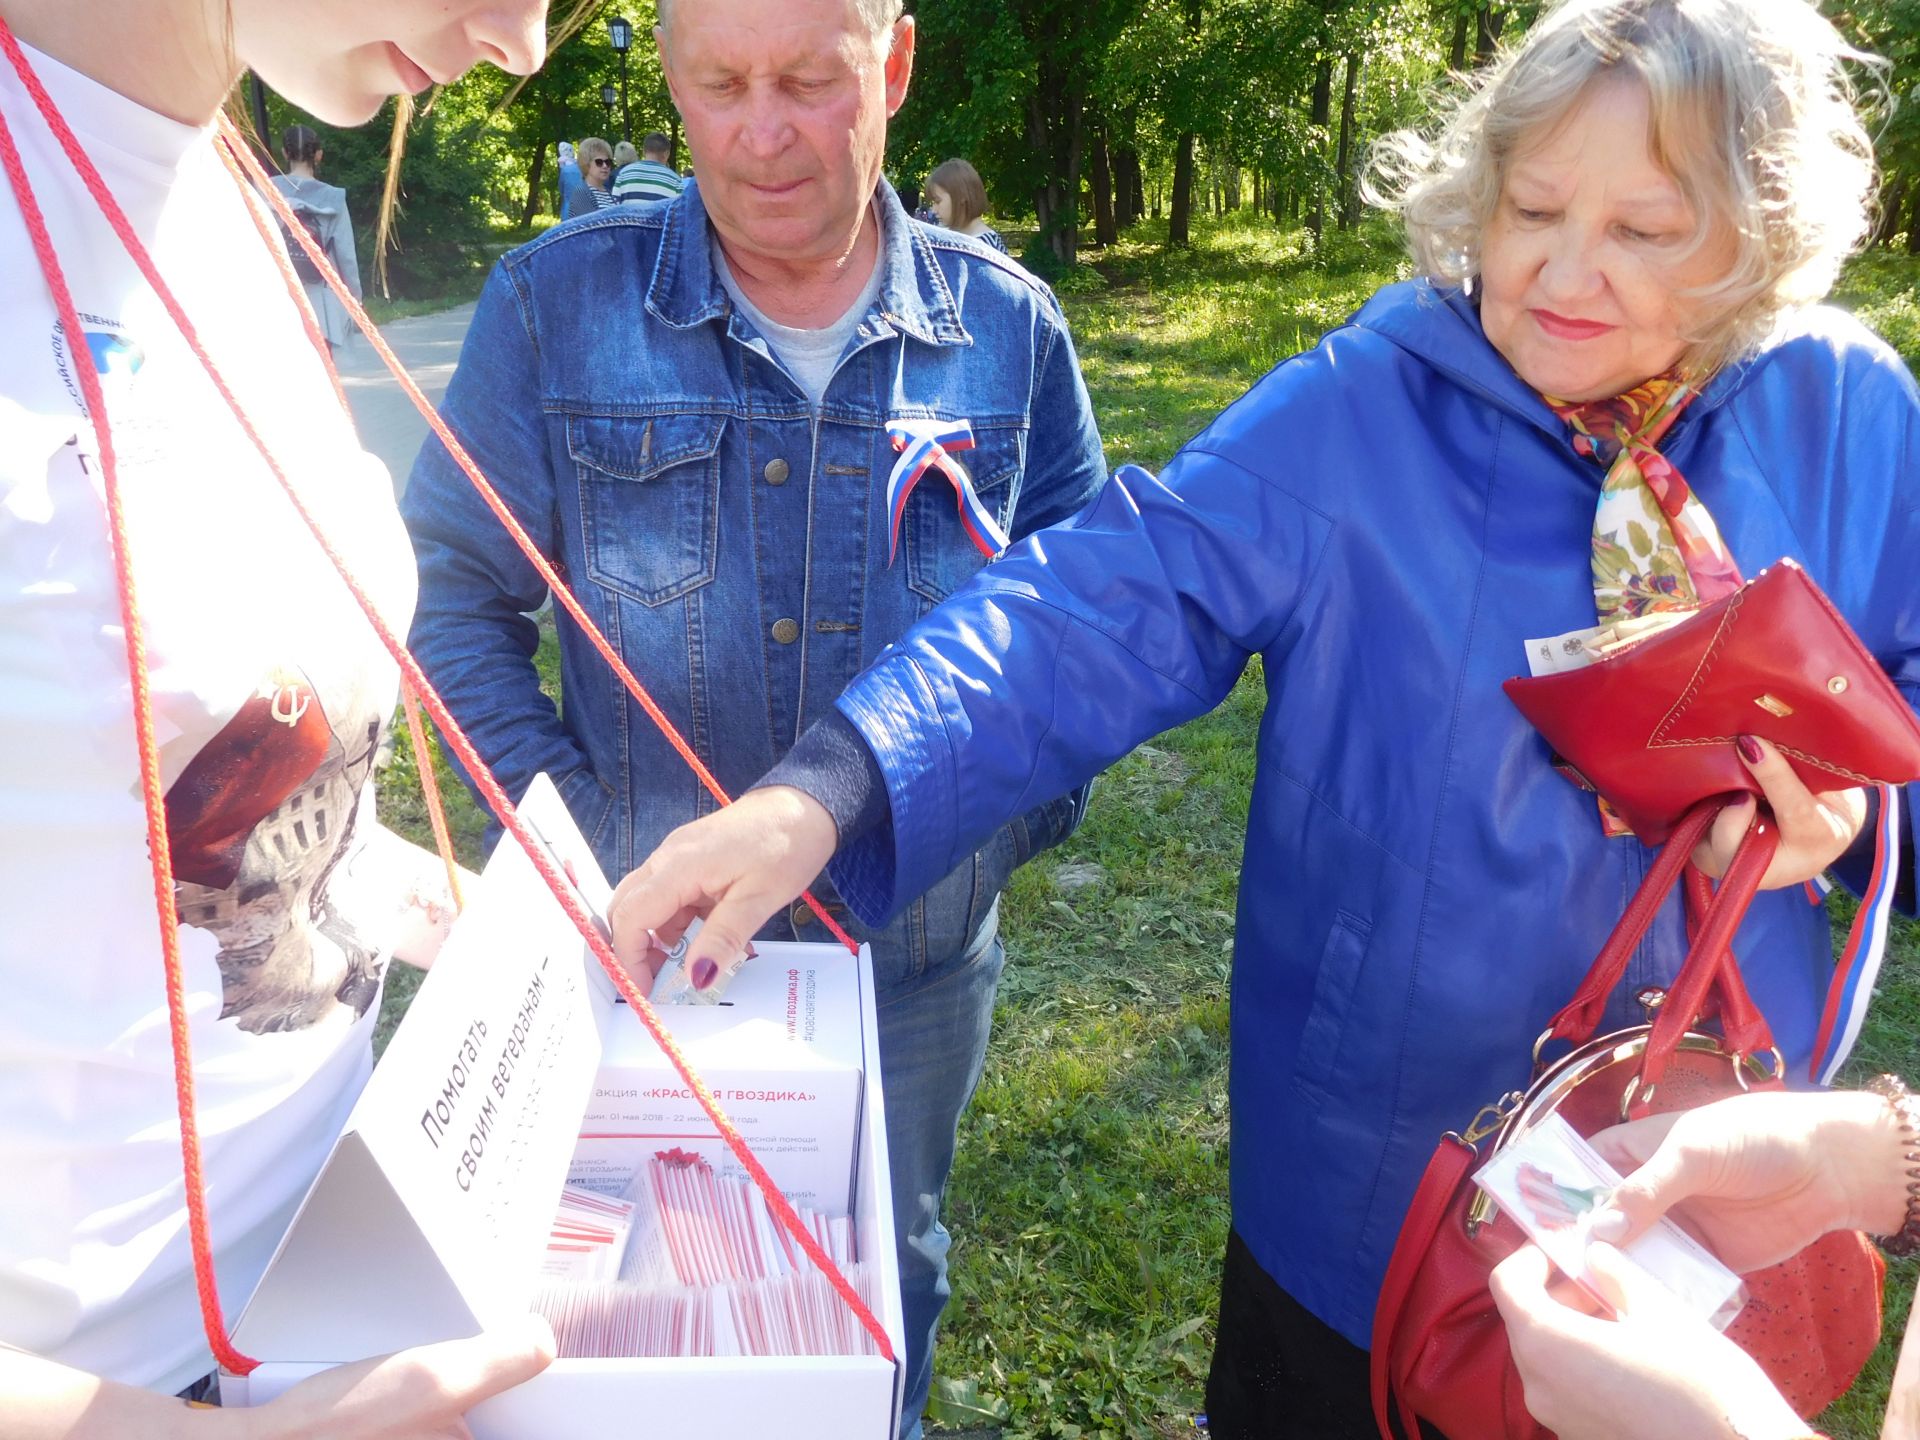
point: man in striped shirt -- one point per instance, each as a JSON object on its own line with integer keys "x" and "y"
{"x": 649, "y": 178}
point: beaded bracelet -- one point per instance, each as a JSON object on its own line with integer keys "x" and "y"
{"x": 1906, "y": 1112}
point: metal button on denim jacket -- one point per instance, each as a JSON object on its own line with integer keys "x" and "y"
{"x": 732, "y": 543}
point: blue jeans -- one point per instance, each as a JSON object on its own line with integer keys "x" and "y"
{"x": 933, "y": 1042}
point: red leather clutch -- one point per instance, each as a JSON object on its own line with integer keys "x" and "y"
{"x": 1652, "y": 728}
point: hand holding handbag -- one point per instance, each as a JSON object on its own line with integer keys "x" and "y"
{"x": 1439, "y": 1347}
{"x": 1652, "y": 727}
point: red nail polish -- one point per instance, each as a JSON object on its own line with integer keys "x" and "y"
{"x": 1749, "y": 749}
{"x": 704, "y": 973}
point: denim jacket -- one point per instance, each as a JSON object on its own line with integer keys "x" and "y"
{"x": 731, "y": 543}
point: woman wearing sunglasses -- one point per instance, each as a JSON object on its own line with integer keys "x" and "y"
{"x": 596, "y": 169}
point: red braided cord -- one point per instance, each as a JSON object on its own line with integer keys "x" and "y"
{"x": 412, "y": 674}
{"x": 237, "y": 150}
{"x": 151, "y": 792}
{"x": 430, "y": 787}
{"x": 234, "y": 150}
{"x": 416, "y": 679}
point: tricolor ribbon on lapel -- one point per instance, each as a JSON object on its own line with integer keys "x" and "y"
{"x": 1859, "y": 967}
{"x": 929, "y": 445}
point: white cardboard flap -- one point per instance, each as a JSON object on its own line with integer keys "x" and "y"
{"x": 317, "y": 1298}
{"x": 460, "y": 1142}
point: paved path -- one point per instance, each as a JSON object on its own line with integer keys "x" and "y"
{"x": 429, "y": 346}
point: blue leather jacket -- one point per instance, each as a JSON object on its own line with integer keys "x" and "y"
{"x": 1385, "y": 520}
{"x": 732, "y": 544}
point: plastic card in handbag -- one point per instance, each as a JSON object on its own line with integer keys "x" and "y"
{"x": 1652, "y": 727}
{"x": 1440, "y": 1351}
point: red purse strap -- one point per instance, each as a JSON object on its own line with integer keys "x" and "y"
{"x": 1580, "y": 1016}
{"x": 1446, "y": 1172}
{"x": 1710, "y": 962}
{"x": 1745, "y": 1028}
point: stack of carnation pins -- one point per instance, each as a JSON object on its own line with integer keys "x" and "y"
{"x": 688, "y": 1263}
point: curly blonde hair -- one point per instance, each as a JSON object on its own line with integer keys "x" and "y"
{"x": 1754, "y": 114}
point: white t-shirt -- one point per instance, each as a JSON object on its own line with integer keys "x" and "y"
{"x": 810, "y": 356}
{"x": 270, "y": 693}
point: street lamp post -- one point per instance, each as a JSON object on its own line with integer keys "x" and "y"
{"x": 621, "y": 32}
{"x": 607, "y": 94}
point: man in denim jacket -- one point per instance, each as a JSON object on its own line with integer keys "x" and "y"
{"x": 686, "y": 405}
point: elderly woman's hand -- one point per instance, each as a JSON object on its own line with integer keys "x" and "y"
{"x": 735, "y": 868}
{"x": 1815, "y": 827}
{"x": 1655, "y": 1371}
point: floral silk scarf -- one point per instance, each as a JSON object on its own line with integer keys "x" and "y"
{"x": 1655, "y": 547}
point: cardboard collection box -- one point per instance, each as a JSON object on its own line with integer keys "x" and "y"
{"x": 783, "y": 1055}
{"x": 513, "y": 1069}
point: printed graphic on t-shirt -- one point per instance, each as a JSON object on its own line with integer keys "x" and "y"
{"x": 256, "y": 823}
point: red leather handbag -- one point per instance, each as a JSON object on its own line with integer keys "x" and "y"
{"x": 1653, "y": 727}
{"x": 1440, "y": 1350}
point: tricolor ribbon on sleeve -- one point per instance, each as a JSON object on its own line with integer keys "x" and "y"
{"x": 1859, "y": 967}
{"x": 929, "y": 445}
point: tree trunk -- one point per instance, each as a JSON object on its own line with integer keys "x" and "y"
{"x": 1491, "y": 23}
{"x": 1913, "y": 225}
{"x": 1178, "y": 218}
{"x": 1318, "y": 117}
{"x": 535, "y": 172}
{"x": 1106, "y": 229}
{"x": 1069, "y": 231}
{"x": 1889, "y": 221}
{"x": 1128, "y": 205}
{"x": 1457, "y": 51}
{"x": 1056, "y": 116}
{"x": 1349, "y": 192}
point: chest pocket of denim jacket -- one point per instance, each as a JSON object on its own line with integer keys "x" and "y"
{"x": 941, "y": 555}
{"x": 649, "y": 500}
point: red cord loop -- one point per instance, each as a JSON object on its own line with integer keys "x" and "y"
{"x": 243, "y": 165}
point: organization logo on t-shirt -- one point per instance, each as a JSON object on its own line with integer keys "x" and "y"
{"x": 114, "y": 354}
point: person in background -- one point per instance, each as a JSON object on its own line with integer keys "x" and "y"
{"x": 688, "y": 404}
{"x": 322, "y": 208}
{"x": 1619, "y": 237}
{"x": 650, "y": 177}
{"x": 623, "y": 155}
{"x": 270, "y": 698}
{"x": 596, "y": 174}
{"x": 1758, "y": 1178}
{"x": 959, "y": 201}
{"x": 570, "y": 181}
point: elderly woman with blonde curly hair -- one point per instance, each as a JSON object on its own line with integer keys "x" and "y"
{"x": 1609, "y": 392}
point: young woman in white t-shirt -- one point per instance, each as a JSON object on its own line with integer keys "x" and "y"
{"x": 270, "y": 695}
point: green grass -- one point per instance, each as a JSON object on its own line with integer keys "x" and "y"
{"x": 1089, "y": 1197}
